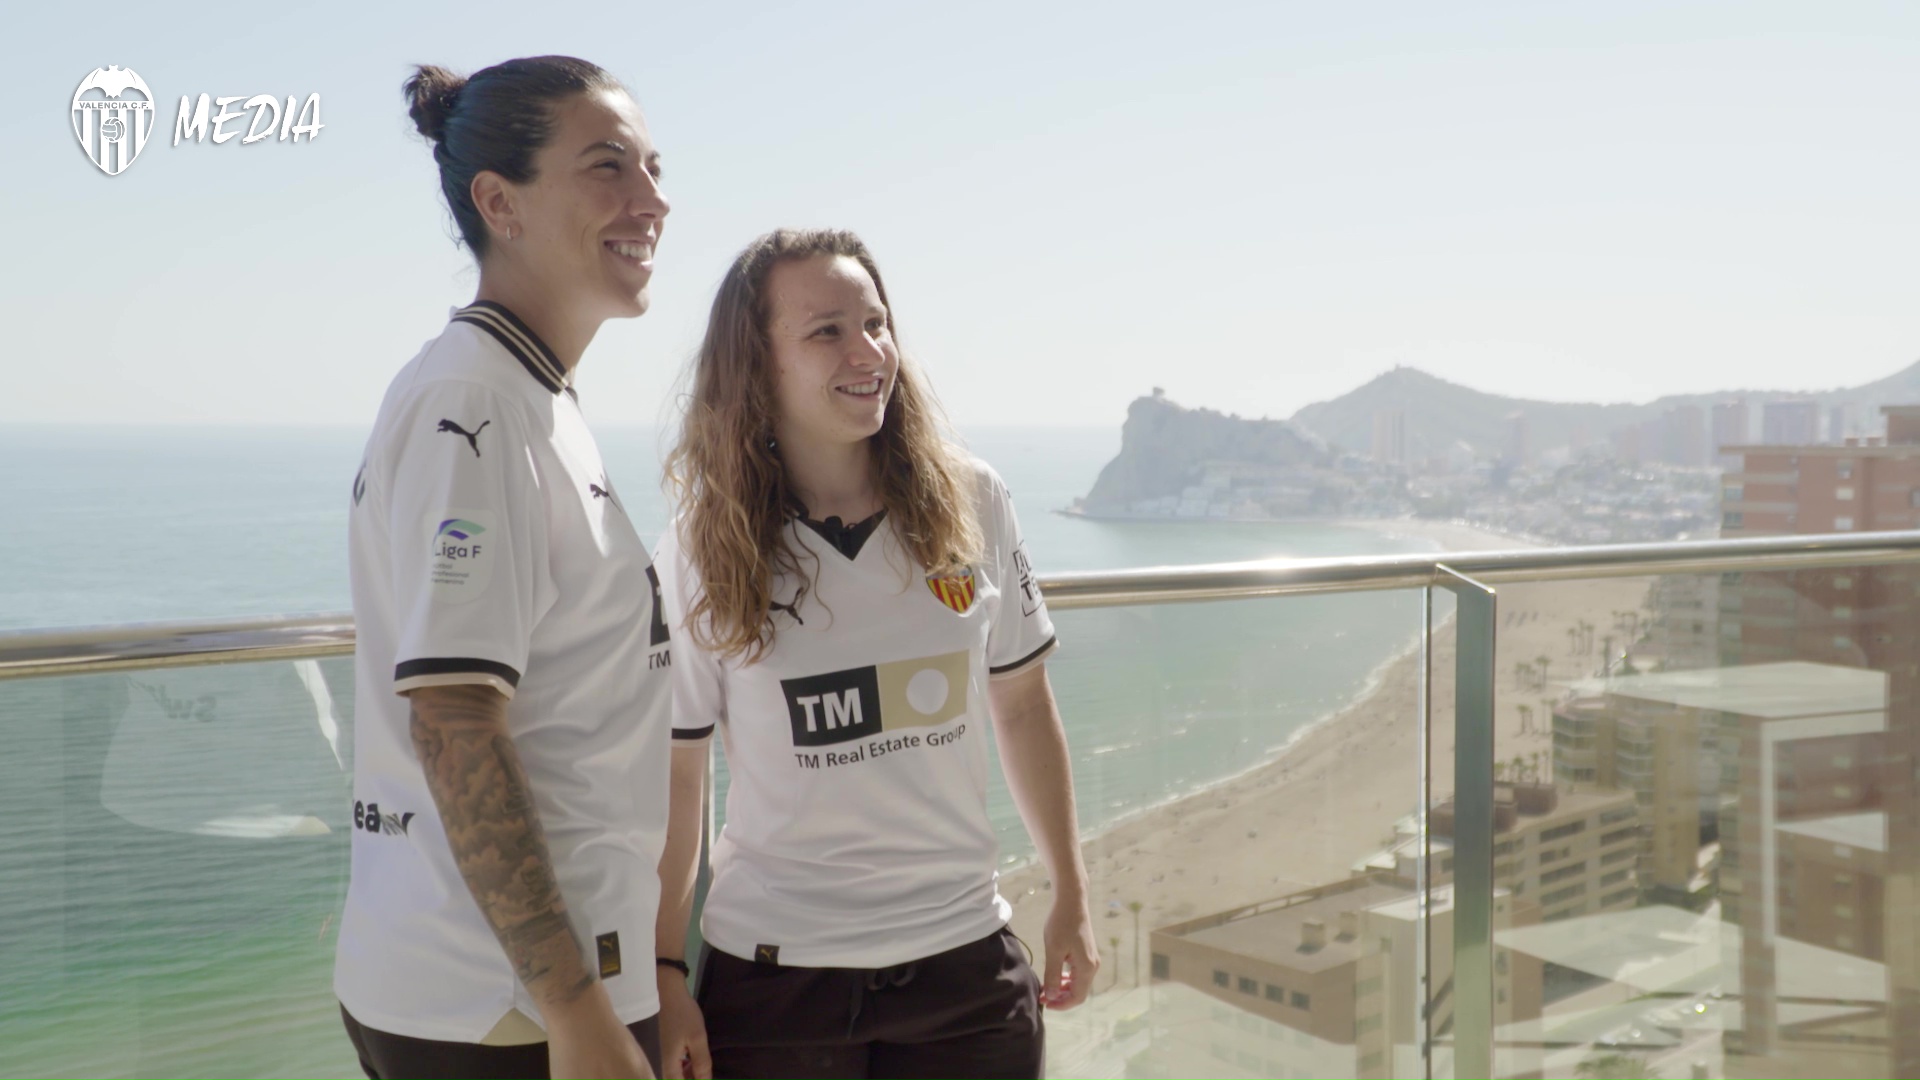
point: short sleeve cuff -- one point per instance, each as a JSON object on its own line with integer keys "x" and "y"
{"x": 1025, "y": 663}
{"x": 413, "y": 675}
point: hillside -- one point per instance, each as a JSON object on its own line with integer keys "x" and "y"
{"x": 1440, "y": 413}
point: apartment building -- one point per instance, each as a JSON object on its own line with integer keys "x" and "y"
{"x": 1568, "y": 852}
{"x": 1340, "y": 963}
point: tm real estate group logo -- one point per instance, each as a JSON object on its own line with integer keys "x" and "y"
{"x": 113, "y": 117}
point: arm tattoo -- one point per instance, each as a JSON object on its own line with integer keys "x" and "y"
{"x": 480, "y": 788}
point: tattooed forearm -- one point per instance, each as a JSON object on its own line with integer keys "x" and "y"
{"x": 480, "y": 788}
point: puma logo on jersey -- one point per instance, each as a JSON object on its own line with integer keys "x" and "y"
{"x": 844, "y": 705}
{"x": 472, "y": 437}
{"x": 792, "y": 609}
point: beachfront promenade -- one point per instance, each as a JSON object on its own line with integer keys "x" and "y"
{"x": 1587, "y": 825}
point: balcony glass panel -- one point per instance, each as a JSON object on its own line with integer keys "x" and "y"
{"x": 1761, "y": 931}
{"x": 173, "y": 869}
{"x": 1248, "y": 776}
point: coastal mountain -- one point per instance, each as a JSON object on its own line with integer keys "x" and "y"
{"x": 1168, "y": 452}
{"x": 1440, "y": 414}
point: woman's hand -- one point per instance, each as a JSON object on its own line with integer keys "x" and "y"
{"x": 683, "y": 1031}
{"x": 585, "y": 1039}
{"x": 1072, "y": 959}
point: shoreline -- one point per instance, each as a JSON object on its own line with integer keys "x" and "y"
{"x": 1330, "y": 798}
{"x": 1448, "y": 536}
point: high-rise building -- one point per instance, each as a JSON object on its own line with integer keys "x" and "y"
{"x": 1687, "y": 436}
{"x": 1571, "y": 852}
{"x": 1790, "y": 423}
{"x": 1830, "y": 778}
{"x": 1390, "y": 436}
{"x": 1772, "y": 766}
{"x": 1339, "y": 964}
{"x": 1842, "y": 424}
{"x": 1518, "y": 439}
{"x": 1732, "y": 424}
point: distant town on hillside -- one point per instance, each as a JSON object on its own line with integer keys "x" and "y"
{"x": 1410, "y": 444}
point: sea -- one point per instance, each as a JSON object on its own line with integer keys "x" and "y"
{"x": 173, "y": 858}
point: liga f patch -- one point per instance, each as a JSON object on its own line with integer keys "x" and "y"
{"x": 955, "y": 590}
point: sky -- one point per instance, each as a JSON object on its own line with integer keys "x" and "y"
{"x": 1253, "y": 205}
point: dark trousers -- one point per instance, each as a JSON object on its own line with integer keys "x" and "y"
{"x": 386, "y": 1056}
{"x": 973, "y": 1011}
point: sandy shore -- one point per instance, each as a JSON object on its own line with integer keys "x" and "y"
{"x": 1306, "y": 817}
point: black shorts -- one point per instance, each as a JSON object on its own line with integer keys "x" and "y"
{"x": 386, "y": 1056}
{"x": 970, "y": 1011}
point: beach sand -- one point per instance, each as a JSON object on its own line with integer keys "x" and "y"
{"x": 1330, "y": 800}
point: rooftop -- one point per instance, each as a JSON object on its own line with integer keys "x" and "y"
{"x": 1768, "y": 691}
{"x": 1867, "y": 831}
{"x": 1274, "y": 936}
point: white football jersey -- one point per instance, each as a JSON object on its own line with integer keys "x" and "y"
{"x": 488, "y": 546}
{"x": 857, "y": 831}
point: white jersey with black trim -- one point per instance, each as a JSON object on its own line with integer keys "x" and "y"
{"x": 487, "y": 545}
{"x": 856, "y": 831}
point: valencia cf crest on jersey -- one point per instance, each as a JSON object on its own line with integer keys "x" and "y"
{"x": 955, "y": 590}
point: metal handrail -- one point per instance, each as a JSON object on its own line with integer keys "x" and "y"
{"x": 75, "y": 651}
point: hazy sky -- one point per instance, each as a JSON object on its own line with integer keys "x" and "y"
{"x": 1253, "y": 205}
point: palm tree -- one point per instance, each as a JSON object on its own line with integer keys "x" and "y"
{"x": 1573, "y": 640}
{"x": 1114, "y": 980}
{"x": 1543, "y": 661}
{"x": 1135, "y": 906}
{"x": 1526, "y": 718}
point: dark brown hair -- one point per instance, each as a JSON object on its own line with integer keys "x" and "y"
{"x": 494, "y": 120}
{"x": 732, "y": 490}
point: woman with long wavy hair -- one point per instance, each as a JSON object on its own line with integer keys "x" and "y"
{"x": 851, "y": 608}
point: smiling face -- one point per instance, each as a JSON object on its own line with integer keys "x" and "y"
{"x": 834, "y": 360}
{"x": 588, "y": 222}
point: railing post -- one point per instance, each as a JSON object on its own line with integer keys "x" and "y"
{"x": 1473, "y": 683}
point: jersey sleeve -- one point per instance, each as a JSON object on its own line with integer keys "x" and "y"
{"x": 468, "y": 534}
{"x": 699, "y": 681}
{"x": 1022, "y": 632}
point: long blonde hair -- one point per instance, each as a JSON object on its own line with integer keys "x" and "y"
{"x": 733, "y": 493}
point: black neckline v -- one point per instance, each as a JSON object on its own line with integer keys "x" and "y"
{"x": 845, "y": 539}
{"x": 519, "y": 340}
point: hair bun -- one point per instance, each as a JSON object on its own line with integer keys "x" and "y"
{"x": 432, "y": 92}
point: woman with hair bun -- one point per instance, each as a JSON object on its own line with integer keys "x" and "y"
{"x": 853, "y": 608}
{"x": 512, "y": 693}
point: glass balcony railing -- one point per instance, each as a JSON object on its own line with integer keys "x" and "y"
{"x": 1291, "y": 878}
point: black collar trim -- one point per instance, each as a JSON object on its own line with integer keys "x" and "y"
{"x": 846, "y": 539}
{"x": 519, "y": 339}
